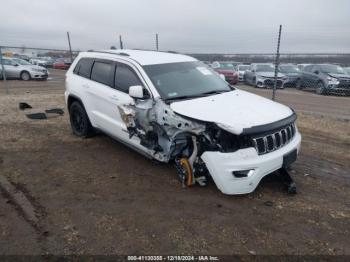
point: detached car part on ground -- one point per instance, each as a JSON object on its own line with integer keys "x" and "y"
{"x": 263, "y": 76}
{"x": 16, "y": 68}
{"x": 173, "y": 108}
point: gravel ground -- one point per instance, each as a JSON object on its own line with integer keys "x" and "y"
{"x": 96, "y": 196}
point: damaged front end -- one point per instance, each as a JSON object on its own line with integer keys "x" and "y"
{"x": 171, "y": 137}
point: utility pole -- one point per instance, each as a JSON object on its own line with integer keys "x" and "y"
{"x": 157, "y": 42}
{"x": 121, "y": 42}
{"x": 3, "y": 72}
{"x": 277, "y": 63}
{"x": 70, "y": 48}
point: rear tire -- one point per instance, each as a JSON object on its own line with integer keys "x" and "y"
{"x": 79, "y": 121}
{"x": 320, "y": 88}
{"x": 25, "y": 76}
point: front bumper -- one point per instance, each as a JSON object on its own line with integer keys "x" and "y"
{"x": 221, "y": 165}
{"x": 269, "y": 83}
{"x": 39, "y": 75}
{"x": 339, "y": 88}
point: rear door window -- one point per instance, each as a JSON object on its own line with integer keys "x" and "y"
{"x": 83, "y": 68}
{"x": 125, "y": 77}
{"x": 102, "y": 72}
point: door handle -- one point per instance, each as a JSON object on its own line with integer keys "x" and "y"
{"x": 114, "y": 97}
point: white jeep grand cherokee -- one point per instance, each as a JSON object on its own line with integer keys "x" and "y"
{"x": 171, "y": 107}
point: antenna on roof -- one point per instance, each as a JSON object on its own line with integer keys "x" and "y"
{"x": 123, "y": 54}
{"x": 121, "y": 42}
{"x": 157, "y": 43}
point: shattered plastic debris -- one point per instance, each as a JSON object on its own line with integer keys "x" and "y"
{"x": 58, "y": 111}
{"x": 37, "y": 116}
{"x": 24, "y": 105}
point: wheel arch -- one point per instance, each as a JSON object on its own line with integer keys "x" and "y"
{"x": 73, "y": 98}
{"x": 25, "y": 71}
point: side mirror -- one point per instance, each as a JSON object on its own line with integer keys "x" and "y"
{"x": 16, "y": 64}
{"x": 253, "y": 70}
{"x": 136, "y": 92}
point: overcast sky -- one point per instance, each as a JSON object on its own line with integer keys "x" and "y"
{"x": 199, "y": 26}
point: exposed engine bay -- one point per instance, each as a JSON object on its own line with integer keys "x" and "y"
{"x": 172, "y": 137}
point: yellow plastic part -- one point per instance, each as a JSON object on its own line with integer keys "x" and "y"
{"x": 189, "y": 174}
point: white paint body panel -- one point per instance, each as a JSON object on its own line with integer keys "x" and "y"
{"x": 233, "y": 111}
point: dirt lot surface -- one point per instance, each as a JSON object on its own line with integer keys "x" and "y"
{"x": 96, "y": 196}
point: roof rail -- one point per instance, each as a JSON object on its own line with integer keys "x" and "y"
{"x": 112, "y": 53}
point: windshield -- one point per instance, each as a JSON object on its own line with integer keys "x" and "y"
{"x": 289, "y": 69}
{"x": 21, "y": 62}
{"x": 243, "y": 67}
{"x": 333, "y": 69}
{"x": 185, "y": 79}
{"x": 264, "y": 68}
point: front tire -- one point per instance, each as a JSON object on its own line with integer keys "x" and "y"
{"x": 320, "y": 88}
{"x": 79, "y": 120}
{"x": 25, "y": 76}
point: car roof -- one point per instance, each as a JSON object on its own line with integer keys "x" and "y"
{"x": 145, "y": 57}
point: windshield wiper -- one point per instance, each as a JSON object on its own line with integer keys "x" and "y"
{"x": 197, "y": 96}
{"x": 215, "y": 92}
{"x": 182, "y": 97}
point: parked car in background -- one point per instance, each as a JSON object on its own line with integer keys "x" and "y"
{"x": 20, "y": 69}
{"x": 262, "y": 75}
{"x": 241, "y": 71}
{"x": 292, "y": 72}
{"x": 227, "y": 70}
{"x": 301, "y": 66}
{"x": 38, "y": 61}
{"x": 325, "y": 79}
{"x": 347, "y": 69}
{"x": 21, "y": 56}
{"x": 61, "y": 65}
{"x": 49, "y": 62}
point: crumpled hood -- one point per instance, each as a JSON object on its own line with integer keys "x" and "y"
{"x": 339, "y": 75}
{"x": 269, "y": 74}
{"x": 233, "y": 111}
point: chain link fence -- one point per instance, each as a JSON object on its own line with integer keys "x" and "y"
{"x": 322, "y": 74}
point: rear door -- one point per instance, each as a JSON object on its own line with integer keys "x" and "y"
{"x": 103, "y": 98}
{"x": 11, "y": 70}
{"x": 248, "y": 74}
{"x": 307, "y": 76}
{"x": 315, "y": 76}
